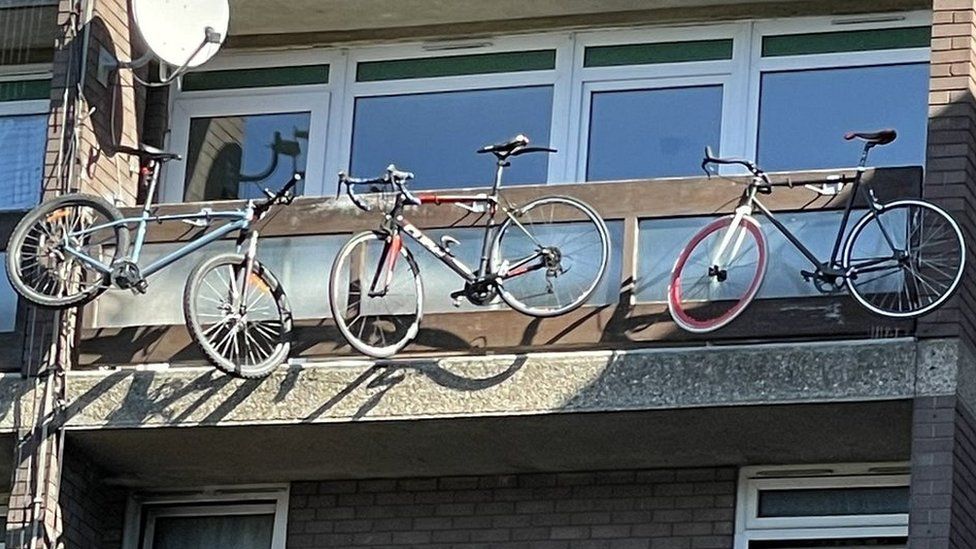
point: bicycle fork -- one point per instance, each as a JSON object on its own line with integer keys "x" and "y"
{"x": 716, "y": 267}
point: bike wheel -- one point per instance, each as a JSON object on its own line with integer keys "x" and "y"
{"x": 378, "y": 325}
{"x": 248, "y": 340}
{"x": 550, "y": 255}
{"x": 917, "y": 272}
{"x": 706, "y": 291}
{"x": 42, "y": 271}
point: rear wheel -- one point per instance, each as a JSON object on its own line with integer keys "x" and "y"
{"x": 550, "y": 256}
{"x": 717, "y": 274}
{"x": 246, "y": 334}
{"x": 39, "y": 264}
{"x": 381, "y": 324}
{"x": 919, "y": 274}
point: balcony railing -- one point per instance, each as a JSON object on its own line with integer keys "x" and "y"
{"x": 649, "y": 221}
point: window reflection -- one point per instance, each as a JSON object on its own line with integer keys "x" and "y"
{"x": 435, "y": 135}
{"x": 234, "y": 157}
{"x": 637, "y": 134}
{"x": 803, "y": 115}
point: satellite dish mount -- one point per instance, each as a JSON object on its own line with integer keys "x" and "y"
{"x": 181, "y": 34}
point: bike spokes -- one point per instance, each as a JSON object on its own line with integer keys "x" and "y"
{"x": 379, "y": 319}
{"x": 550, "y": 255}
{"x": 919, "y": 273}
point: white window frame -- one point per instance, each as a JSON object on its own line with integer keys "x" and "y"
{"x": 315, "y": 99}
{"x": 750, "y": 527}
{"x": 27, "y": 107}
{"x": 558, "y": 78}
{"x": 258, "y": 499}
{"x": 806, "y": 25}
{"x": 731, "y": 74}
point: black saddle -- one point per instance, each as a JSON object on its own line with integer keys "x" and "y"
{"x": 147, "y": 152}
{"x": 880, "y": 137}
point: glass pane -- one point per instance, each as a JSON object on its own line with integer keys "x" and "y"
{"x": 236, "y": 157}
{"x": 639, "y": 134}
{"x": 220, "y": 532}
{"x": 301, "y": 264}
{"x": 456, "y": 65}
{"x": 435, "y": 135}
{"x": 803, "y": 116}
{"x": 831, "y": 42}
{"x": 833, "y": 502}
{"x": 22, "y": 143}
{"x": 256, "y": 78}
{"x": 660, "y": 52}
{"x": 661, "y": 240}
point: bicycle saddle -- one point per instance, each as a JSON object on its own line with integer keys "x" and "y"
{"x": 506, "y": 148}
{"x": 880, "y": 137}
{"x": 147, "y": 152}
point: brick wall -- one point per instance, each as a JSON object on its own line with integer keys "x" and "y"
{"x": 951, "y": 153}
{"x": 675, "y": 509}
{"x": 92, "y": 514}
{"x": 943, "y": 485}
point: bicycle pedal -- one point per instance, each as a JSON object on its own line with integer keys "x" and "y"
{"x": 456, "y": 297}
{"x": 141, "y": 287}
{"x": 808, "y": 275}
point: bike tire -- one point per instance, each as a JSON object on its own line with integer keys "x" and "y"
{"x": 201, "y": 287}
{"x": 712, "y": 315}
{"x": 575, "y": 224}
{"x": 18, "y": 246}
{"x": 342, "y": 292}
{"x": 944, "y": 283}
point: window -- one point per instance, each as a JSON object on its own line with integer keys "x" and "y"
{"x": 430, "y": 113}
{"x": 23, "y": 141}
{"x": 243, "y": 129}
{"x": 621, "y": 104}
{"x": 850, "y": 506}
{"x": 651, "y": 101}
{"x": 218, "y": 519}
{"x": 815, "y": 86}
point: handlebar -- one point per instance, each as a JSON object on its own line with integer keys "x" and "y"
{"x": 283, "y": 196}
{"x": 712, "y": 159}
{"x": 392, "y": 178}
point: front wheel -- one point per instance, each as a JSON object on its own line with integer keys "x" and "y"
{"x": 904, "y": 260}
{"x": 718, "y": 274}
{"x": 243, "y": 327}
{"x": 376, "y": 294}
{"x": 550, "y": 255}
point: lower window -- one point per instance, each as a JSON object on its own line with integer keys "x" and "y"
{"x": 838, "y": 506}
{"x": 221, "y": 519}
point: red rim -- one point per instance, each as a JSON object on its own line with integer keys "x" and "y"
{"x": 674, "y": 289}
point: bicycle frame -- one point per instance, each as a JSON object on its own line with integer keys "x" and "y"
{"x": 830, "y": 269}
{"x": 240, "y": 220}
{"x": 397, "y": 223}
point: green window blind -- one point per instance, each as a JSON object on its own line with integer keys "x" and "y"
{"x": 845, "y": 41}
{"x": 456, "y": 65}
{"x": 25, "y": 90}
{"x": 663, "y": 52}
{"x": 299, "y": 75}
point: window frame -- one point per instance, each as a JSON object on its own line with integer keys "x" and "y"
{"x": 732, "y": 74}
{"x": 750, "y": 527}
{"x": 206, "y": 502}
{"x": 557, "y": 77}
{"x": 315, "y": 99}
{"x": 25, "y": 107}
{"x": 850, "y": 59}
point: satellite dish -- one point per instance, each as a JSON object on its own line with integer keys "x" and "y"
{"x": 182, "y": 33}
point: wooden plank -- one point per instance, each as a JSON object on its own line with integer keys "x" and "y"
{"x": 604, "y": 327}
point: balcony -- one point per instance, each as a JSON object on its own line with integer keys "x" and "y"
{"x": 649, "y": 221}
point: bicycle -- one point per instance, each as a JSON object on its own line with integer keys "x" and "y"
{"x": 69, "y": 250}
{"x": 375, "y": 289}
{"x": 901, "y": 259}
